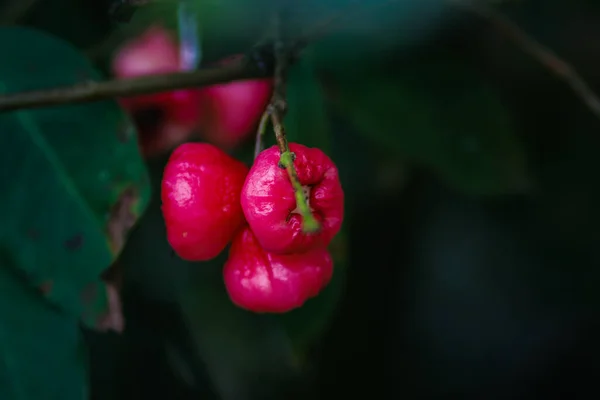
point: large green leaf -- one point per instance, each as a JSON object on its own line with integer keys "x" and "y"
{"x": 72, "y": 177}
{"x": 42, "y": 355}
{"x": 432, "y": 112}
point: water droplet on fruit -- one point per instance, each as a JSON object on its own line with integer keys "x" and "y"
{"x": 183, "y": 192}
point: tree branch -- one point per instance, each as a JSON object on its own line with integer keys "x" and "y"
{"x": 259, "y": 63}
{"x": 529, "y": 45}
{"x": 94, "y": 90}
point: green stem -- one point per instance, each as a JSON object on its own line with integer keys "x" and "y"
{"x": 286, "y": 160}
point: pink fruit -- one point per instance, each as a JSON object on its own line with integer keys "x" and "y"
{"x": 234, "y": 109}
{"x": 201, "y": 200}
{"x": 176, "y": 113}
{"x": 153, "y": 52}
{"x": 270, "y": 207}
{"x": 264, "y": 282}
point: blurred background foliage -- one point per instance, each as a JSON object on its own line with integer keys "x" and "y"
{"x": 468, "y": 262}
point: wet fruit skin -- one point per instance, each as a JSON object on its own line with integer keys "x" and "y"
{"x": 269, "y": 203}
{"x": 263, "y": 282}
{"x": 200, "y": 195}
{"x": 156, "y": 52}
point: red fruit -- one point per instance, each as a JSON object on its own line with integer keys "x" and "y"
{"x": 270, "y": 206}
{"x": 164, "y": 119}
{"x": 201, "y": 200}
{"x": 264, "y": 282}
{"x": 234, "y": 109}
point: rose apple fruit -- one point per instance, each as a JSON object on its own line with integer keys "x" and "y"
{"x": 269, "y": 203}
{"x": 264, "y": 282}
{"x": 200, "y": 195}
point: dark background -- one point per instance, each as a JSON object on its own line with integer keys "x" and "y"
{"x": 446, "y": 294}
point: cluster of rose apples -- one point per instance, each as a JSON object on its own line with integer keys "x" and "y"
{"x": 223, "y": 115}
{"x": 210, "y": 199}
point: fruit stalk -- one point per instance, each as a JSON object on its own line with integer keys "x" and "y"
{"x": 277, "y": 109}
{"x": 286, "y": 160}
{"x": 262, "y": 127}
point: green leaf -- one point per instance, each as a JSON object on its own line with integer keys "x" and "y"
{"x": 73, "y": 180}
{"x": 148, "y": 261}
{"x": 438, "y": 114}
{"x": 42, "y": 354}
{"x": 306, "y": 121}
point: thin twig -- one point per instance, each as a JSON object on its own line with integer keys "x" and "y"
{"x": 278, "y": 108}
{"x": 537, "y": 50}
{"x": 280, "y": 138}
{"x": 260, "y": 133}
{"x": 94, "y": 90}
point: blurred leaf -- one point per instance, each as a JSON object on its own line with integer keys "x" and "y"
{"x": 436, "y": 114}
{"x": 306, "y": 121}
{"x": 247, "y": 355}
{"x": 74, "y": 182}
{"x": 233, "y": 26}
{"x": 148, "y": 260}
{"x": 365, "y": 31}
{"x": 42, "y": 355}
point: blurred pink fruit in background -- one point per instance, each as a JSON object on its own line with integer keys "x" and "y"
{"x": 234, "y": 109}
{"x": 224, "y": 115}
{"x": 164, "y": 119}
